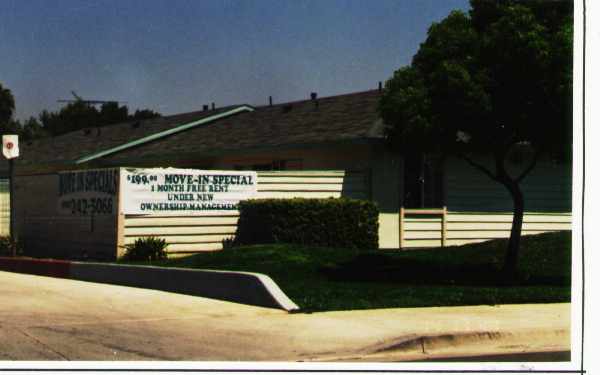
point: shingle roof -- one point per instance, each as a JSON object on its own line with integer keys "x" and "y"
{"x": 71, "y": 146}
{"x": 336, "y": 119}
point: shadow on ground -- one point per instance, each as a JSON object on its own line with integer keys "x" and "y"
{"x": 383, "y": 268}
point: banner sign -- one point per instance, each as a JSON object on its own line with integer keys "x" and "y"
{"x": 184, "y": 191}
{"x": 88, "y": 192}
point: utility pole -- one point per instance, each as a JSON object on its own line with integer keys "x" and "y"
{"x": 10, "y": 150}
{"x": 11, "y": 228}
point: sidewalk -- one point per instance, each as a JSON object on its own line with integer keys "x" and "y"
{"x": 58, "y": 319}
{"x": 428, "y": 333}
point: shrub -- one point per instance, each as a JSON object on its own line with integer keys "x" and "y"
{"x": 5, "y": 246}
{"x": 147, "y": 248}
{"x": 228, "y": 243}
{"x": 343, "y": 222}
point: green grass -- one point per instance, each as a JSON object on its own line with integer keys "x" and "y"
{"x": 322, "y": 279}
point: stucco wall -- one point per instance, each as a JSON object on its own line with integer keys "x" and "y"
{"x": 386, "y": 187}
{"x": 50, "y": 233}
{"x": 335, "y": 157}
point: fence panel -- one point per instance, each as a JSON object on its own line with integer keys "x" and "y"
{"x": 463, "y": 228}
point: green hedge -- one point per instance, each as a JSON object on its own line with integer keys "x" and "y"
{"x": 346, "y": 223}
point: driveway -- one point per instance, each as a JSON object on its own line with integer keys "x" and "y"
{"x": 44, "y": 318}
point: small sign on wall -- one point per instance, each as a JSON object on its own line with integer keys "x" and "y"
{"x": 184, "y": 191}
{"x": 10, "y": 146}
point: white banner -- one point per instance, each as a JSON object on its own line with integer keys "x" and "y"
{"x": 184, "y": 191}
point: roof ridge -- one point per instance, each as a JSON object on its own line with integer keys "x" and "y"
{"x": 319, "y": 98}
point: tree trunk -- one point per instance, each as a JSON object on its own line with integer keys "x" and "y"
{"x": 512, "y": 255}
{"x": 510, "y": 266}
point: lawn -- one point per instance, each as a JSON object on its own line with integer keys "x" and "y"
{"x": 322, "y": 279}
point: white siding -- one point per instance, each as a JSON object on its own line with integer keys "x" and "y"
{"x": 462, "y": 228}
{"x": 4, "y": 207}
{"x": 187, "y": 234}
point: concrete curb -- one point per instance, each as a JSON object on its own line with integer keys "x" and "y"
{"x": 241, "y": 287}
{"x": 457, "y": 344}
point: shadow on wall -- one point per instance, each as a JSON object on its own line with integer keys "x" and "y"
{"x": 546, "y": 189}
{"x": 45, "y": 237}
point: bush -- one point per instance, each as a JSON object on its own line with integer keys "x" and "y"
{"x": 343, "y": 222}
{"x": 147, "y": 248}
{"x": 228, "y": 243}
{"x": 5, "y": 246}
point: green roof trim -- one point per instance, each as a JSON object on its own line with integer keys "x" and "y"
{"x": 165, "y": 133}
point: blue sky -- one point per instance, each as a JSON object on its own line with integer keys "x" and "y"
{"x": 175, "y": 56}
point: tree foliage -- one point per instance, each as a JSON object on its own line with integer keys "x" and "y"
{"x": 7, "y": 106}
{"x": 488, "y": 82}
{"x": 74, "y": 116}
{"x": 79, "y": 115}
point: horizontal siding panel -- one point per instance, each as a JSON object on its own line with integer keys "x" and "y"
{"x": 438, "y": 243}
{"x": 187, "y": 230}
{"x": 422, "y": 226}
{"x": 354, "y": 180}
{"x": 458, "y": 242}
{"x": 506, "y": 226}
{"x": 297, "y": 194}
{"x": 185, "y": 239}
{"x": 309, "y": 174}
{"x": 488, "y": 234}
{"x": 194, "y": 248}
{"x": 557, "y": 218}
{"x": 309, "y": 194}
{"x": 422, "y": 234}
{"x": 311, "y": 187}
{"x": 422, "y": 243}
{"x": 423, "y": 219}
{"x": 151, "y": 221}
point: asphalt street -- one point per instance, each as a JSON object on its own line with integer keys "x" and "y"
{"x": 44, "y": 318}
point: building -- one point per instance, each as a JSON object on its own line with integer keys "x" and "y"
{"x": 318, "y": 147}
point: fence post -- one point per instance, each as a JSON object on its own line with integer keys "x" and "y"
{"x": 444, "y": 225}
{"x": 401, "y": 228}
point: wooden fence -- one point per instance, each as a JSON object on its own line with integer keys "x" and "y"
{"x": 424, "y": 229}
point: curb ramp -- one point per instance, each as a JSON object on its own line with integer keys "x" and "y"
{"x": 233, "y": 286}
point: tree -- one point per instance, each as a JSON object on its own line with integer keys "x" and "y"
{"x": 79, "y": 115}
{"x": 32, "y": 129}
{"x": 489, "y": 82}
{"x": 7, "y": 106}
{"x": 111, "y": 113}
{"x": 74, "y": 116}
{"x": 144, "y": 114}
